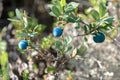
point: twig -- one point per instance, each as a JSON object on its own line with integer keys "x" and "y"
{"x": 40, "y": 52}
{"x": 87, "y": 33}
{"x": 84, "y": 22}
{"x": 66, "y": 60}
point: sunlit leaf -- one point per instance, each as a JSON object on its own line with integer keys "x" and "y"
{"x": 56, "y": 11}
{"x": 68, "y": 49}
{"x": 52, "y": 14}
{"x": 74, "y": 4}
{"x": 103, "y": 1}
{"x": 4, "y": 58}
{"x": 25, "y": 21}
{"x": 102, "y": 9}
{"x": 108, "y": 20}
{"x": 33, "y": 34}
{"x": 95, "y": 14}
{"x": 74, "y": 52}
{"x": 39, "y": 28}
{"x": 70, "y": 7}
{"x": 63, "y": 3}
{"x": 18, "y": 14}
{"x": 14, "y": 20}
{"x": 3, "y": 46}
{"x": 93, "y": 2}
{"x": 68, "y": 39}
{"x": 11, "y": 14}
{"x": 46, "y": 42}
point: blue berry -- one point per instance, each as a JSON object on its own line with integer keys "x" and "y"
{"x": 23, "y": 44}
{"x": 57, "y": 31}
{"x": 99, "y": 37}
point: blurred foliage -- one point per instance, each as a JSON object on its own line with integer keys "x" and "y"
{"x": 26, "y": 27}
{"x": 25, "y": 74}
{"x": 4, "y": 60}
{"x": 46, "y": 42}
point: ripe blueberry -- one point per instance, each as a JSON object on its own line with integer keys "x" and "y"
{"x": 23, "y": 44}
{"x": 57, "y": 31}
{"x": 99, "y": 37}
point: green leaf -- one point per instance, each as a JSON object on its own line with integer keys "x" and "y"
{"x": 23, "y": 34}
{"x": 13, "y": 20}
{"x": 4, "y": 59}
{"x": 18, "y": 14}
{"x": 50, "y": 69}
{"x": 95, "y": 14}
{"x": 86, "y": 29}
{"x": 11, "y": 14}
{"x": 58, "y": 44}
{"x": 56, "y": 11}
{"x": 31, "y": 23}
{"x": 74, "y": 5}
{"x": 91, "y": 27}
{"x": 5, "y": 73}
{"x": 25, "y": 22}
{"x": 77, "y": 25}
{"x": 71, "y": 19}
{"x": 39, "y": 28}
{"x": 85, "y": 39}
{"x": 104, "y": 1}
{"x": 68, "y": 49}
{"x": 102, "y": 9}
{"x": 55, "y": 2}
{"x": 69, "y": 73}
{"x": 104, "y": 27}
{"x": 68, "y": 39}
{"x": 50, "y": 6}
{"x": 25, "y": 74}
{"x": 46, "y": 42}
{"x": 108, "y": 20}
{"x": 70, "y": 7}
{"x": 3, "y": 46}
{"x": 93, "y": 2}
{"x": 33, "y": 34}
{"x": 52, "y": 14}
{"x": 63, "y": 3}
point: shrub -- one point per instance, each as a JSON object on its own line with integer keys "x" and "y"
{"x": 98, "y": 24}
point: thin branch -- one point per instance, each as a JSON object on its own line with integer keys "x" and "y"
{"x": 63, "y": 62}
{"x": 40, "y": 52}
{"x": 87, "y": 33}
{"x": 84, "y": 22}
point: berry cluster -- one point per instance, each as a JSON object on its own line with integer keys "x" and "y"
{"x": 98, "y": 37}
